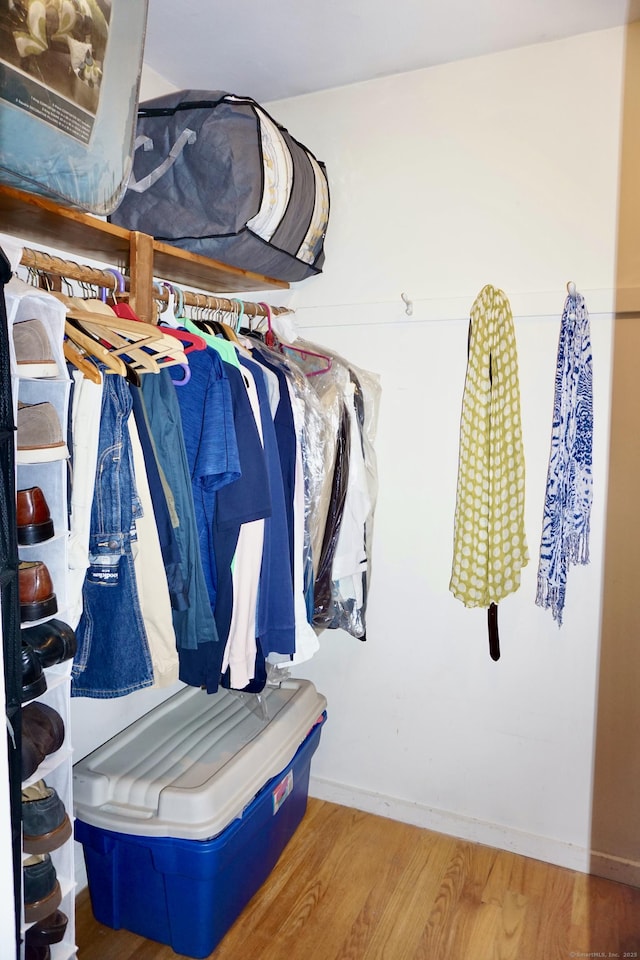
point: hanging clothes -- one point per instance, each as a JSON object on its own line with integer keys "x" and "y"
{"x": 275, "y": 628}
{"x": 233, "y": 469}
{"x": 241, "y": 645}
{"x": 113, "y": 657}
{"x": 341, "y": 527}
{"x": 569, "y": 493}
{"x": 193, "y": 625}
{"x": 292, "y": 432}
{"x": 86, "y": 404}
{"x": 171, "y": 560}
{"x": 490, "y": 545}
{"x": 151, "y": 580}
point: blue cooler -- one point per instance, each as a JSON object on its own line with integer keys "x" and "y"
{"x": 184, "y": 814}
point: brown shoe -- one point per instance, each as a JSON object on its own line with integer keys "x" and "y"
{"x": 40, "y": 887}
{"x": 34, "y": 520}
{"x": 37, "y": 599}
{"x": 33, "y": 350}
{"x": 42, "y": 734}
{"x": 40, "y": 437}
{"x": 45, "y": 822}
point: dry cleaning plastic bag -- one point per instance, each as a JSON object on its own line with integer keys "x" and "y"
{"x": 214, "y": 174}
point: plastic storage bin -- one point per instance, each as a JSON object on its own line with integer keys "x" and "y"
{"x": 176, "y": 836}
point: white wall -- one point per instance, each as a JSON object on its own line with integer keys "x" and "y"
{"x": 499, "y": 170}
{"x": 152, "y": 84}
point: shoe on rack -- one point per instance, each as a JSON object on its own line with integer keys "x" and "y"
{"x": 42, "y": 734}
{"x": 34, "y": 520}
{"x": 53, "y": 641}
{"x": 40, "y": 437}
{"x": 33, "y": 350}
{"x": 41, "y": 889}
{"x": 49, "y": 930}
{"x": 34, "y": 681}
{"x": 45, "y": 823}
{"x": 37, "y": 599}
{"x": 36, "y": 951}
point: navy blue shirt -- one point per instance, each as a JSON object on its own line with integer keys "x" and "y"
{"x": 275, "y": 620}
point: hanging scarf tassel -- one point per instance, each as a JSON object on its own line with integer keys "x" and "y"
{"x": 567, "y": 510}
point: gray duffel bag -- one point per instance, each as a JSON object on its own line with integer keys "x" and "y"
{"x": 214, "y": 174}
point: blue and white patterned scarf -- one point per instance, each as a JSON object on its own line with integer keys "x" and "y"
{"x": 567, "y": 508}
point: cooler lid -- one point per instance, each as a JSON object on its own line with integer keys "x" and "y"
{"x": 192, "y": 764}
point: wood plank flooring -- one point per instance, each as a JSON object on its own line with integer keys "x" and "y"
{"x": 353, "y": 886}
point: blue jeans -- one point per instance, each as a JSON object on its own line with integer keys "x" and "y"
{"x": 113, "y": 656}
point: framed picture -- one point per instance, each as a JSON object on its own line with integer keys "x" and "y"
{"x": 69, "y": 83}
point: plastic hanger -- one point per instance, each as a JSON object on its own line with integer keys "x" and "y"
{"x": 270, "y": 340}
{"x": 269, "y": 337}
{"x": 170, "y": 324}
{"x": 310, "y": 353}
{"x": 184, "y": 380}
{"x": 167, "y": 315}
{"x": 239, "y": 314}
{"x": 190, "y": 341}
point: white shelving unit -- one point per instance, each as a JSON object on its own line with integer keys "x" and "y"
{"x": 52, "y": 477}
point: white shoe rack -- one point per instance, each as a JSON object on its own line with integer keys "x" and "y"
{"x": 24, "y": 302}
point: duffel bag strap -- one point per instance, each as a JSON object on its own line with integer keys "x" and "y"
{"x": 186, "y": 137}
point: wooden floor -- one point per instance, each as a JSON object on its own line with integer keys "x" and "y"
{"x": 352, "y": 886}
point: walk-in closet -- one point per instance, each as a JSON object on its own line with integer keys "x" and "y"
{"x": 318, "y": 520}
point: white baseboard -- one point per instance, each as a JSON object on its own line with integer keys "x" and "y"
{"x": 478, "y": 831}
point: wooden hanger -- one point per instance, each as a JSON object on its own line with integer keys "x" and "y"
{"x": 121, "y": 337}
{"x": 102, "y": 315}
{"x": 81, "y": 361}
{"x": 90, "y": 345}
{"x": 133, "y": 351}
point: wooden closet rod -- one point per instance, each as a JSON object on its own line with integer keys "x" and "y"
{"x": 40, "y": 260}
{"x": 210, "y": 301}
{"x": 45, "y": 262}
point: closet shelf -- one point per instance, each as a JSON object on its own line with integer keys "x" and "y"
{"x": 197, "y": 271}
{"x": 40, "y": 220}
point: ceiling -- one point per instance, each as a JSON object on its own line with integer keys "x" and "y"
{"x": 285, "y": 48}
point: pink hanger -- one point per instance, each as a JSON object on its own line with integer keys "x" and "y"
{"x": 311, "y": 353}
{"x": 191, "y": 340}
{"x": 269, "y": 337}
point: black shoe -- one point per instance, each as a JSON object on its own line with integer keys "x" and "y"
{"x": 37, "y": 951}
{"x": 34, "y": 681}
{"x": 50, "y": 930}
{"x": 53, "y": 641}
